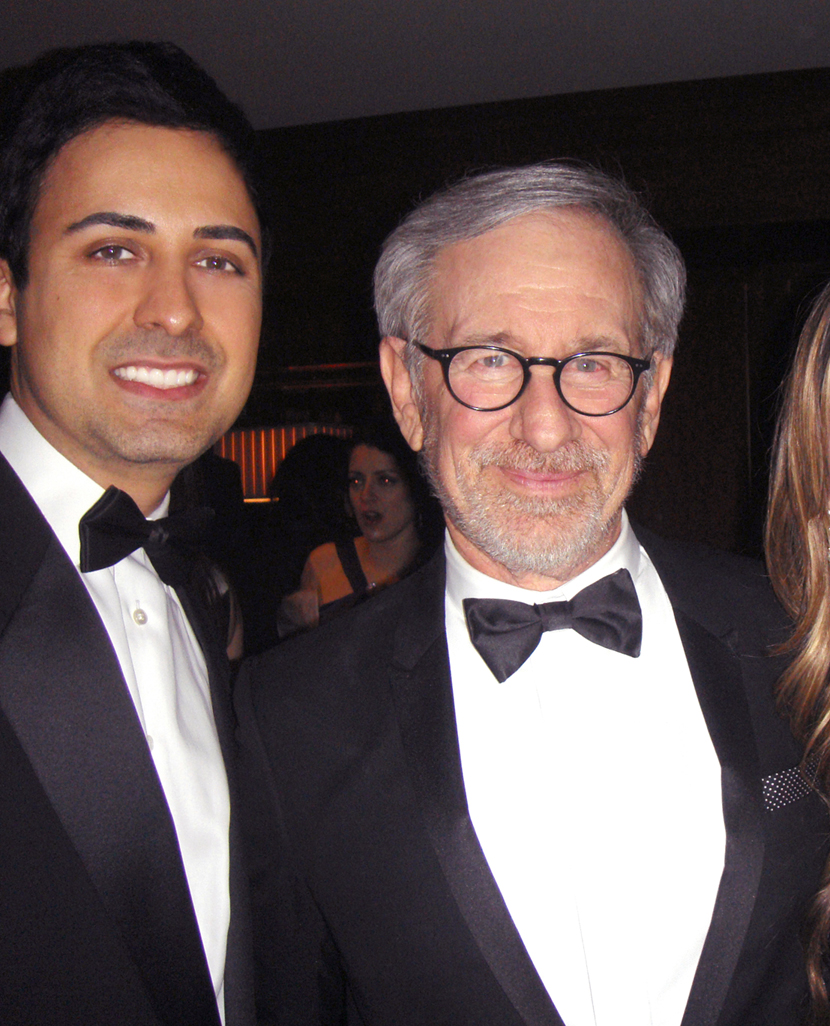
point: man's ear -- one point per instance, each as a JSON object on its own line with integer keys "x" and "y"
{"x": 8, "y": 306}
{"x": 650, "y": 413}
{"x": 399, "y": 386}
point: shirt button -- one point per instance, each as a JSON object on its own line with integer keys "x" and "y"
{"x": 150, "y": 741}
{"x": 140, "y": 617}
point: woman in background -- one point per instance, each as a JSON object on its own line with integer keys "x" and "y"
{"x": 390, "y": 503}
{"x": 798, "y": 557}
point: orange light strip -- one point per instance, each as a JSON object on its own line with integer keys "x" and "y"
{"x": 259, "y": 451}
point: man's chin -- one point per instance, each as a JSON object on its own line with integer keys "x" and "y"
{"x": 544, "y": 543}
{"x": 152, "y": 445}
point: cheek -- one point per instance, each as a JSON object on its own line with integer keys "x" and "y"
{"x": 617, "y": 434}
{"x": 391, "y": 498}
{"x": 244, "y": 365}
{"x": 454, "y": 431}
{"x": 240, "y": 353}
{"x": 235, "y": 319}
{"x": 624, "y": 450}
{"x": 91, "y": 310}
{"x": 467, "y": 432}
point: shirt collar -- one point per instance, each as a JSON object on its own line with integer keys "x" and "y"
{"x": 62, "y": 492}
{"x": 464, "y": 581}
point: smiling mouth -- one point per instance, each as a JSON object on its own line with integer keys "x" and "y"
{"x": 534, "y": 480}
{"x": 156, "y": 377}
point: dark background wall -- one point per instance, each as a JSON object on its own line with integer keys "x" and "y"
{"x": 736, "y": 169}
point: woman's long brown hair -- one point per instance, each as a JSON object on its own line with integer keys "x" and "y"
{"x": 798, "y": 547}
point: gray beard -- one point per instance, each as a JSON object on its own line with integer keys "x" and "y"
{"x": 551, "y": 537}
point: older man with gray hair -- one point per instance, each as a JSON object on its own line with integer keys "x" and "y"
{"x": 542, "y": 781}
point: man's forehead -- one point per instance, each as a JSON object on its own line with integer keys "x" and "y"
{"x": 123, "y": 158}
{"x": 520, "y": 233}
{"x": 535, "y": 258}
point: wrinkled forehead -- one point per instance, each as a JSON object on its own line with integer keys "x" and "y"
{"x": 536, "y": 264}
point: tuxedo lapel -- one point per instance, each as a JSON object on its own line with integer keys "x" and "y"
{"x": 718, "y": 680}
{"x": 239, "y": 978}
{"x": 424, "y": 705}
{"x": 705, "y": 624}
{"x": 62, "y": 690}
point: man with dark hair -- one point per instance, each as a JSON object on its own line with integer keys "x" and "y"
{"x": 543, "y": 780}
{"x": 130, "y": 300}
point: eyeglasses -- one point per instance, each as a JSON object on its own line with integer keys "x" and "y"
{"x": 489, "y": 378}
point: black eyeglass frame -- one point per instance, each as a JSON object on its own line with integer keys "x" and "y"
{"x": 445, "y": 358}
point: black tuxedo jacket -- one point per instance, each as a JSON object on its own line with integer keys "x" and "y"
{"x": 350, "y": 736}
{"x": 96, "y": 922}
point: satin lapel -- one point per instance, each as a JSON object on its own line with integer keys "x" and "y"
{"x": 24, "y": 539}
{"x": 705, "y": 623}
{"x": 62, "y": 690}
{"x": 424, "y": 703}
{"x": 239, "y": 973}
{"x": 718, "y": 679}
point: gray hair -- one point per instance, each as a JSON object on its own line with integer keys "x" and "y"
{"x": 477, "y": 204}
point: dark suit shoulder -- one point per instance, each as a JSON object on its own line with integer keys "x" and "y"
{"x": 321, "y": 701}
{"x": 718, "y": 589}
{"x": 358, "y": 645}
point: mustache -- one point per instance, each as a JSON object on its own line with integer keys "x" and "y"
{"x": 144, "y": 344}
{"x": 572, "y": 457}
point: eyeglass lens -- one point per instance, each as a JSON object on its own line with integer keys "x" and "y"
{"x": 592, "y": 384}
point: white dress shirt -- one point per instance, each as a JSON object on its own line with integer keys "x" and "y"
{"x": 164, "y": 670}
{"x": 595, "y": 793}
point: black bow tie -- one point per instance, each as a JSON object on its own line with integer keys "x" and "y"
{"x": 114, "y": 527}
{"x": 505, "y": 633}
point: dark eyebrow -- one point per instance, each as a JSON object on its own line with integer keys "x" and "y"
{"x": 124, "y": 221}
{"x": 226, "y": 231}
{"x": 129, "y": 223}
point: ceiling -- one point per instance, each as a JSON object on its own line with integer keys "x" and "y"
{"x": 300, "y": 61}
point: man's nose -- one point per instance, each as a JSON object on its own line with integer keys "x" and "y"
{"x": 168, "y": 302}
{"x": 539, "y": 415}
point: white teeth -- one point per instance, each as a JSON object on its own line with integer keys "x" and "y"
{"x": 156, "y": 377}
